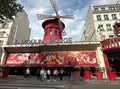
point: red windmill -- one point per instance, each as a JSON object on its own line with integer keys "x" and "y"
{"x": 53, "y": 28}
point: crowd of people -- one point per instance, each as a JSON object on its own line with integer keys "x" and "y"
{"x": 45, "y": 74}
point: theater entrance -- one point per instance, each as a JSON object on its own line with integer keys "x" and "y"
{"x": 114, "y": 62}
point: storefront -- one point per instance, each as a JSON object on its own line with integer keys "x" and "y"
{"x": 18, "y": 57}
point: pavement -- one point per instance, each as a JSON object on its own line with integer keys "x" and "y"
{"x": 19, "y": 82}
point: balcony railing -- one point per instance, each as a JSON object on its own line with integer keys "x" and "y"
{"x": 111, "y": 43}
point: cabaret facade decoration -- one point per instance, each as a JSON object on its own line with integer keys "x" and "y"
{"x": 53, "y": 58}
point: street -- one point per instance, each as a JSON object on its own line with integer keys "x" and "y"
{"x": 19, "y": 82}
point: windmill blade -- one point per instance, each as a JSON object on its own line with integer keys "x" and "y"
{"x": 42, "y": 16}
{"x": 60, "y": 25}
{"x": 67, "y": 16}
{"x": 54, "y": 7}
{"x": 61, "y": 28}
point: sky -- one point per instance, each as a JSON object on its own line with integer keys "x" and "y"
{"x": 74, "y": 28}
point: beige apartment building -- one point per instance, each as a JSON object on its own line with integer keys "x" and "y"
{"x": 100, "y": 20}
{"x": 17, "y": 30}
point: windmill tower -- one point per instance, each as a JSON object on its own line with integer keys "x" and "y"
{"x": 53, "y": 26}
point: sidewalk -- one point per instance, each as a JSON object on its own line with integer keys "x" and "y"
{"x": 65, "y": 80}
{"x": 32, "y": 83}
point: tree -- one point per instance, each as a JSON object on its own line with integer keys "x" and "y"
{"x": 8, "y": 9}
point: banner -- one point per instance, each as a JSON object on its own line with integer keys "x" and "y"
{"x": 54, "y": 58}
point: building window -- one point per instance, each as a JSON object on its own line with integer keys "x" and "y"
{"x": 111, "y": 8}
{"x": 96, "y": 9}
{"x": 118, "y": 7}
{"x": 51, "y": 32}
{"x": 108, "y": 26}
{"x": 55, "y": 32}
{"x": 100, "y": 28}
{"x": 102, "y": 37}
{"x": 106, "y": 17}
{"x": 1, "y": 34}
{"x": 4, "y": 25}
{"x": 1, "y": 42}
{"x": 114, "y": 16}
{"x": 98, "y": 17}
{"x": 110, "y": 36}
{"x": 102, "y": 8}
{"x": 0, "y": 25}
{"x": 46, "y": 33}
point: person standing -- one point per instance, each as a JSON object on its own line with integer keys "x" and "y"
{"x": 27, "y": 73}
{"x": 48, "y": 74}
{"x": 38, "y": 73}
{"x": 42, "y": 74}
{"x": 61, "y": 74}
{"x": 55, "y": 73}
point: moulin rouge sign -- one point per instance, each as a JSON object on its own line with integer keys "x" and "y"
{"x": 39, "y": 41}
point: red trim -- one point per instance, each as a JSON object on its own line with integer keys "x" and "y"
{"x": 111, "y": 44}
{"x": 45, "y": 65}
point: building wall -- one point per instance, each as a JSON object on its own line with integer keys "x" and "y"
{"x": 23, "y": 30}
{"x": 99, "y": 22}
{"x": 11, "y": 31}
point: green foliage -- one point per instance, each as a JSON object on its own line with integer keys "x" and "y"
{"x": 98, "y": 68}
{"x": 76, "y": 67}
{"x": 8, "y": 9}
{"x": 86, "y": 68}
{"x": 110, "y": 69}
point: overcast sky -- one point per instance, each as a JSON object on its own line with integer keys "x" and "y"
{"x": 78, "y": 8}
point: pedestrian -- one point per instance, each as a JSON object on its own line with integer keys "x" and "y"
{"x": 38, "y": 73}
{"x": 55, "y": 73}
{"x": 27, "y": 73}
{"x": 42, "y": 74}
{"x": 48, "y": 74}
{"x": 61, "y": 74}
